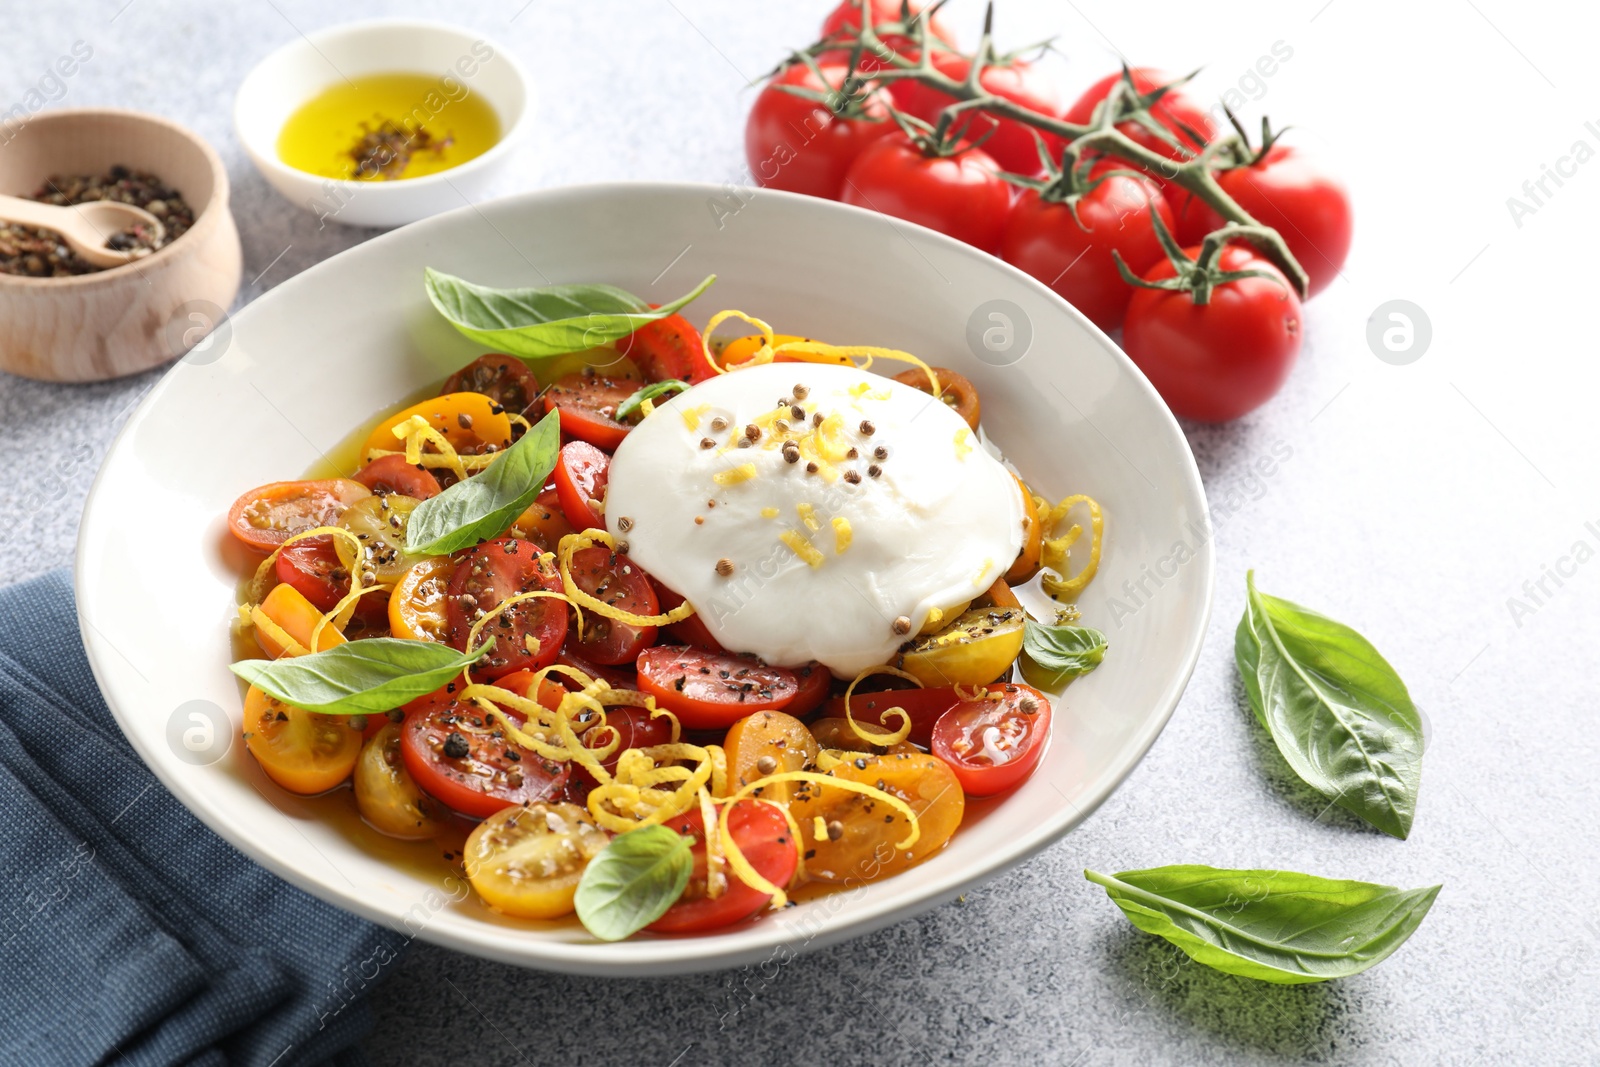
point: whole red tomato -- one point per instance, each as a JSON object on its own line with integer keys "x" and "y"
{"x": 962, "y": 195}
{"x": 1289, "y": 191}
{"x": 1178, "y": 113}
{"x": 805, "y": 146}
{"x": 848, "y": 14}
{"x": 1068, "y": 245}
{"x": 1012, "y": 144}
{"x": 1222, "y": 359}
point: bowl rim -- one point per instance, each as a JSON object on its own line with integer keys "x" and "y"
{"x": 204, "y": 222}
{"x": 269, "y": 161}
{"x": 670, "y": 955}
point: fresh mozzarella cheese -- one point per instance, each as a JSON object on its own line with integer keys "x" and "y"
{"x": 813, "y": 512}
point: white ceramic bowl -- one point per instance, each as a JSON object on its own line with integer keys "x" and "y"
{"x": 322, "y": 353}
{"x": 300, "y": 69}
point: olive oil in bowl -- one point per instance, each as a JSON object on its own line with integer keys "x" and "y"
{"x": 388, "y": 127}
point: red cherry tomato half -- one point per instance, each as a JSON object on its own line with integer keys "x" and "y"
{"x": 528, "y": 635}
{"x": 961, "y": 195}
{"x": 666, "y": 349}
{"x": 588, "y": 405}
{"x": 269, "y": 515}
{"x": 1289, "y": 191}
{"x": 762, "y": 833}
{"x": 615, "y": 677}
{"x": 691, "y": 631}
{"x": 504, "y": 379}
{"x": 799, "y": 145}
{"x": 1012, "y": 143}
{"x": 992, "y": 745}
{"x": 925, "y": 706}
{"x": 635, "y": 729}
{"x": 1069, "y": 248}
{"x": 1219, "y": 360}
{"x": 453, "y": 753}
{"x": 614, "y": 579}
{"x": 580, "y": 477}
{"x": 313, "y": 568}
{"x": 392, "y": 474}
{"x": 815, "y": 681}
{"x": 707, "y": 691}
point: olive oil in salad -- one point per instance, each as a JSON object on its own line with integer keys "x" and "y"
{"x": 388, "y": 127}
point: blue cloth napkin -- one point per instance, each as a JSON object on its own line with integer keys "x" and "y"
{"x": 129, "y": 932}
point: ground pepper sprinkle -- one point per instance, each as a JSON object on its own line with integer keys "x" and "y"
{"x": 37, "y": 253}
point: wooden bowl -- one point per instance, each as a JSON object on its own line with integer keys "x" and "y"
{"x": 91, "y": 327}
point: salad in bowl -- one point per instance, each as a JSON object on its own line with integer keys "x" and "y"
{"x": 681, "y": 626}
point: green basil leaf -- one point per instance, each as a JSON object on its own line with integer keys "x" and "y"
{"x": 358, "y": 677}
{"x": 548, "y": 321}
{"x": 1058, "y": 654}
{"x": 1276, "y": 926}
{"x": 485, "y": 505}
{"x": 649, "y": 392}
{"x": 633, "y": 881}
{"x": 1337, "y": 711}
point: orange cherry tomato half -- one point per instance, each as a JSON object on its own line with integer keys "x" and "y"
{"x": 302, "y": 751}
{"x": 528, "y": 635}
{"x": 588, "y": 405}
{"x": 613, "y": 579}
{"x": 269, "y": 515}
{"x": 392, "y": 474}
{"x": 545, "y": 522}
{"x": 707, "y": 691}
{"x": 992, "y": 745}
{"x": 419, "y": 601}
{"x": 762, "y": 833}
{"x": 463, "y": 759}
{"x": 580, "y": 477}
{"x": 471, "y": 422}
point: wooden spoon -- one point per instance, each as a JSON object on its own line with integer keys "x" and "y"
{"x": 85, "y": 228}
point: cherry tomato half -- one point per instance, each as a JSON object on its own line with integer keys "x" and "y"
{"x": 614, "y": 579}
{"x": 691, "y": 631}
{"x": 314, "y": 569}
{"x": 489, "y": 574}
{"x": 588, "y": 404}
{"x": 269, "y": 515}
{"x": 580, "y": 476}
{"x": 504, "y": 379}
{"x": 961, "y": 195}
{"x": 762, "y": 833}
{"x": 666, "y": 349}
{"x": 465, "y": 761}
{"x": 925, "y": 706}
{"x": 302, "y": 751}
{"x": 635, "y": 729}
{"x": 992, "y": 745}
{"x": 392, "y": 474}
{"x": 958, "y": 394}
{"x": 707, "y": 691}
{"x": 545, "y": 522}
{"x": 815, "y": 682}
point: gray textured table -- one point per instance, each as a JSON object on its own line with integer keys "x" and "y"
{"x": 1417, "y": 501}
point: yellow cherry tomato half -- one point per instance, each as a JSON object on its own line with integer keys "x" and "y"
{"x": 387, "y": 796}
{"x": 768, "y": 742}
{"x": 526, "y": 861}
{"x": 302, "y": 751}
{"x": 975, "y": 649}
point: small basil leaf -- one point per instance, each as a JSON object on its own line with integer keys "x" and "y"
{"x": 1337, "y": 711}
{"x": 484, "y": 506}
{"x": 1275, "y": 926}
{"x": 358, "y": 677}
{"x": 548, "y": 321}
{"x": 633, "y": 881}
{"x": 1058, "y": 654}
{"x": 649, "y": 392}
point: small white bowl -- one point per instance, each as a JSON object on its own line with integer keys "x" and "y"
{"x": 299, "y": 70}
